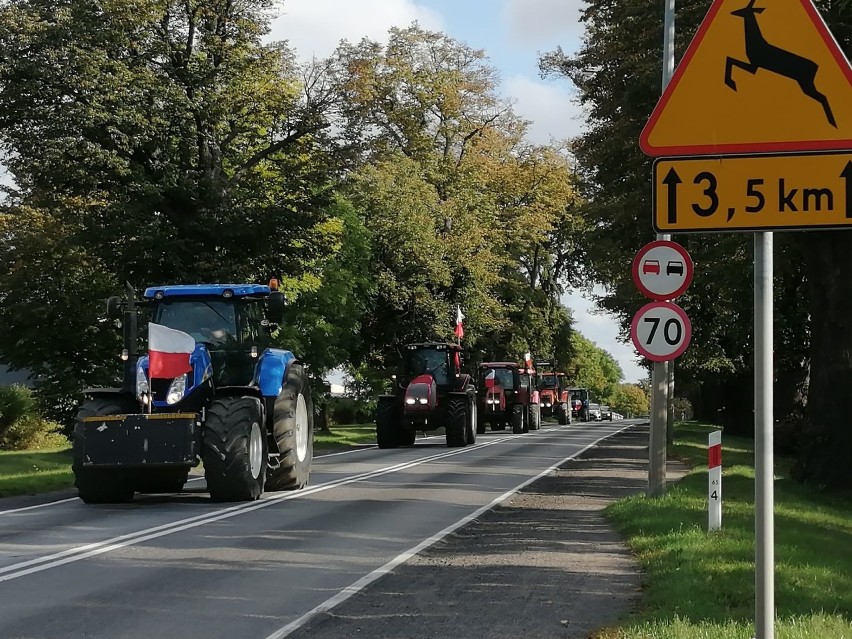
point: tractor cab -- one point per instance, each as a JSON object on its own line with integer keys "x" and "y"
{"x": 554, "y": 396}
{"x": 507, "y": 394}
{"x": 430, "y": 392}
{"x": 578, "y": 401}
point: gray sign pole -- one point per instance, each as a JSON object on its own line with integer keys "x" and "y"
{"x": 764, "y": 497}
{"x": 660, "y": 374}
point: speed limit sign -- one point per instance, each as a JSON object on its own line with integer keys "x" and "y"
{"x": 661, "y": 331}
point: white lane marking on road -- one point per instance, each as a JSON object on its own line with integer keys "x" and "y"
{"x": 79, "y": 553}
{"x": 50, "y": 503}
{"x": 367, "y": 579}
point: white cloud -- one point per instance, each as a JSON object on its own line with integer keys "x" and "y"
{"x": 602, "y": 329}
{"x": 550, "y": 106}
{"x": 543, "y": 23}
{"x": 316, "y": 27}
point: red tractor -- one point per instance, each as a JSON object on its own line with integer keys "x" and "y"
{"x": 555, "y": 397}
{"x": 507, "y": 395}
{"x": 430, "y": 392}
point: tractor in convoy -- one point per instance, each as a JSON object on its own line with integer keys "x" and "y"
{"x": 508, "y": 396}
{"x": 429, "y": 392}
{"x": 208, "y": 388}
{"x": 579, "y": 399}
{"x": 554, "y": 396}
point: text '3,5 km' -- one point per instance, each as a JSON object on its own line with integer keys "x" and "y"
{"x": 753, "y": 192}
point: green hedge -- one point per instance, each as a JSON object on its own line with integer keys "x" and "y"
{"x": 21, "y": 426}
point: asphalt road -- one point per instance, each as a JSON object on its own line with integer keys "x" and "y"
{"x": 181, "y": 566}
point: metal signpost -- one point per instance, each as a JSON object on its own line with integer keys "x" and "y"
{"x": 754, "y": 133}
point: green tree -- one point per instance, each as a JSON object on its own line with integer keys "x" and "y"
{"x": 595, "y": 369}
{"x": 630, "y": 400}
{"x": 154, "y": 142}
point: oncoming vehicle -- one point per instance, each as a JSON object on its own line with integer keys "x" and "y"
{"x": 595, "y": 412}
{"x": 430, "y": 392}
{"x": 579, "y": 403}
{"x": 507, "y": 395}
{"x": 606, "y": 412}
{"x": 554, "y": 396}
{"x": 210, "y": 389}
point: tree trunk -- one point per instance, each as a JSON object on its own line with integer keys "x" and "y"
{"x": 827, "y": 441}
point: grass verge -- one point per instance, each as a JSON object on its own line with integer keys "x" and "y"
{"x": 700, "y": 585}
{"x": 29, "y": 472}
{"x": 24, "y": 472}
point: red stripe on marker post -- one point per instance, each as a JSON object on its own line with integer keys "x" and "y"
{"x": 714, "y": 456}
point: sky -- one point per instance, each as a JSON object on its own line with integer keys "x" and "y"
{"x": 513, "y": 33}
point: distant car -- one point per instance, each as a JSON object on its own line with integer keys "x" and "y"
{"x": 651, "y": 267}
{"x": 606, "y": 413}
{"x": 674, "y": 267}
{"x": 595, "y": 413}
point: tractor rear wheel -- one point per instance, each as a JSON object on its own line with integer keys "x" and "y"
{"x": 535, "y": 417}
{"x": 101, "y": 485}
{"x": 563, "y": 415}
{"x": 293, "y": 429}
{"x": 458, "y": 417}
{"x": 387, "y": 423}
{"x": 517, "y": 419}
{"x": 234, "y": 449}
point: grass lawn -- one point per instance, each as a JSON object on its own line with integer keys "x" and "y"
{"x": 35, "y": 471}
{"x": 345, "y": 436}
{"x": 700, "y": 585}
{"x": 29, "y": 472}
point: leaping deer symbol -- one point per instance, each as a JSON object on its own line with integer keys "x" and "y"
{"x": 762, "y": 55}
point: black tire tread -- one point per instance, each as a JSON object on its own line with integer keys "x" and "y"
{"x": 456, "y": 424}
{"x": 291, "y": 474}
{"x": 225, "y": 449}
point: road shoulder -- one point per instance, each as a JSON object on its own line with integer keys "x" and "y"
{"x": 543, "y": 564}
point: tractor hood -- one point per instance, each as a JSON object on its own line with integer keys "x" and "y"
{"x": 495, "y": 399}
{"x": 180, "y": 387}
{"x": 421, "y": 395}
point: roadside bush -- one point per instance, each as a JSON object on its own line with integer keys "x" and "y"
{"x": 21, "y": 426}
{"x": 33, "y": 432}
{"x": 345, "y": 410}
{"x": 16, "y": 403}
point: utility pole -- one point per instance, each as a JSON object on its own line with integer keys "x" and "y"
{"x": 660, "y": 374}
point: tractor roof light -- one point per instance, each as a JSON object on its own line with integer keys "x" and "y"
{"x": 159, "y": 295}
{"x": 227, "y": 293}
{"x": 273, "y": 284}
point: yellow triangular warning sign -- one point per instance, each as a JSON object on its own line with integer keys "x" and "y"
{"x": 760, "y": 76}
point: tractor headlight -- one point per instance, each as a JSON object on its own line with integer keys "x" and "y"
{"x": 141, "y": 383}
{"x": 176, "y": 389}
{"x": 423, "y": 400}
{"x": 410, "y": 401}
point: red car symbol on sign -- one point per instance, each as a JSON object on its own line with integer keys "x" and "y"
{"x": 651, "y": 266}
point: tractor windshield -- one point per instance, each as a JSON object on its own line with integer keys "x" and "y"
{"x": 433, "y": 362}
{"x": 210, "y": 321}
{"x": 496, "y": 377}
{"x": 548, "y": 381}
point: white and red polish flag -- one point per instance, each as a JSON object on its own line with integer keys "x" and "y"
{"x": 168, "y": 352}
{"x": 459, "y": 332}
{"x": 491, "y": 379}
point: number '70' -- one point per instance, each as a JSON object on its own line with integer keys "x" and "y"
{"x": 667, "y": 330}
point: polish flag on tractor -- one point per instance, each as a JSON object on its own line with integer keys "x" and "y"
{"x": 459, "y": 327}
{"x": 168, "y": 352}
{"x": 491, "y": 379}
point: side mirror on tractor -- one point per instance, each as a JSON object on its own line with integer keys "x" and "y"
{"x": 275, "y": 307}
{"x": 114, "y": 307}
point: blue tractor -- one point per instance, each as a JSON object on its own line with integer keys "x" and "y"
{"x": 243, "y": 409}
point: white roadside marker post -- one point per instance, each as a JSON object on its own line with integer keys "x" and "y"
{"x": 714, "y": 482}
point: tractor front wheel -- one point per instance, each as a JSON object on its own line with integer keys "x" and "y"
{"x": 293, "y": 429}
{"x": 535, "y": 417}
{"x": 518, "y": 419}
{"x": 101, "y": 485}
{"x": 458, "y": 418}
{"x": 234, "y": 449}
{"x": 387, "y": 423}
{"x": 563, "y": 415}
